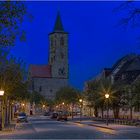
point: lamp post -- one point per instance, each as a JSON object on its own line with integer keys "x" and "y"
{"x": 1, "y": 109}
{"x": 80, "y": 100}
{"x": 107, "y": 98}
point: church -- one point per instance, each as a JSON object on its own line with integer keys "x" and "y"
{"x": 48, "y": 79}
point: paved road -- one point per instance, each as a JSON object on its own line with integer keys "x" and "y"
{"x": 42, "y": 127}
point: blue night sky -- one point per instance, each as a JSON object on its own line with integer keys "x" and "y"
{"x": 95, "y": 41}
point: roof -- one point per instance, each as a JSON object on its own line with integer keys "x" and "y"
{"x": 58, "y": 27}
{"x": 135, "y": 65}
{"x": 124, "y": 63}
{"x": 42, "y": 71}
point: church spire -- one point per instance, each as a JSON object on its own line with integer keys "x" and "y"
{"x": 58, "y": 27}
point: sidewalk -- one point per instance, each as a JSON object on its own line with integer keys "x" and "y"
{"x": 10, "y": 127}
{"x": 110, "y": 126}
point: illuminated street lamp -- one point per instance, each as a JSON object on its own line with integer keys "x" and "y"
{"x": 107, "y": 98}
{"x": 1, "y": 92}
{"x": 106, "y": 95}
{"x": 1, "y": 109}
{"x": 23, "y": 104}
{"x": 43, "y": 106}
{"x": 81, "y": 101}
{"x": 63, "y": 103}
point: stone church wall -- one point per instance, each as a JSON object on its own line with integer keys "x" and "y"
{"x": 49, "y": 86}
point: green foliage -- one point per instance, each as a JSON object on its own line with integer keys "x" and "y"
{"x": 67, "y": 95}
{"x": 12, "y": 76}
{"x": 11, "y": 16}
{"x": 36, "y": 97}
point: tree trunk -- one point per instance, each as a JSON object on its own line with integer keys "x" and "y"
{"x": 72, "y": 112}
{"x": 96, "y": 112}
{"x": 131, "y": 113}
{"x": 116, "y": 112}
{"x": 102, "y": 112}
{"x": 90, "y": 111}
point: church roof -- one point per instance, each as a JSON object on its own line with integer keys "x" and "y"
{"x": 58, "y": 27}
{"x": 43, "y": 71}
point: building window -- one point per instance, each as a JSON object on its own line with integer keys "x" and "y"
{"x": 62, "y": 41}
{"x": 51, "y": 90}
{"x": 40, "y": 88}
{"x": 62, "y": 55}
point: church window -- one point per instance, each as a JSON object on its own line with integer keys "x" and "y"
{"x": 62, "y": 55}
{"x": 40, "y": 88}
{"x": 55, "y": 42}
{"x": 62, "y": 41}
{"x": 51, "y": 42}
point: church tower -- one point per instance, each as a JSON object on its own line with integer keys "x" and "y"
{"x": 58, "y": 50}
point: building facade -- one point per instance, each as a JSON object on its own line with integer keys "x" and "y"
{"x": 48, "y": 79}
{"x": 125, "y": 71}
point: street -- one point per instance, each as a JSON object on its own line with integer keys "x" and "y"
{"x": 41, "y": 127}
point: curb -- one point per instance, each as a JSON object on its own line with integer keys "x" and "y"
{"x": 96, "y": 125}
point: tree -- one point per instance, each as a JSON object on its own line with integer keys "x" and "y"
{"x": 12, "y": 73}
{"x": 106, "y": 87}
{"x": 36, "y": 97}
{"x": 96, "y": 95}
{"x": 12, "y": 81}
{"x": 137, "y": 95}
{"x": 11, "y": 16}
{"x": 130, "y": 12}
{"x": 91, "y": 95}
{"x": 67, "y": 95}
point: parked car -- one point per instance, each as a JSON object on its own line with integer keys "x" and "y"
{"x": 62, "y": 116}
{"x": 22, "y": 117}
{"x": 54, "y": 115}
{"x": 47, "y": 113}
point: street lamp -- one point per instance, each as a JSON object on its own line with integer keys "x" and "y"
{"x": 107, "y": 97}
{"x": 1, "y": 109}
{"x": 63, "y": 103}
{"x": 80, "y": 100}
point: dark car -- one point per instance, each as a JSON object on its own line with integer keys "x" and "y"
{"x": 22, "y": 117}
{"x": 47, "y": 113}
{"x": 54, "y": 115}
{"x": 62, "y": 116}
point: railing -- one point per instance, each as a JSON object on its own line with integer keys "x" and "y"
{"x": 119, "y": 121}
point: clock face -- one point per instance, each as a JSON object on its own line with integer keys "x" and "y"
{"x": 61, "y": 71}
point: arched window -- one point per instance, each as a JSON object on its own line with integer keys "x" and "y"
{"x": 62, "y": 41}
{"x": 55, "y": 43}
{"x": 51, "y": 42}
